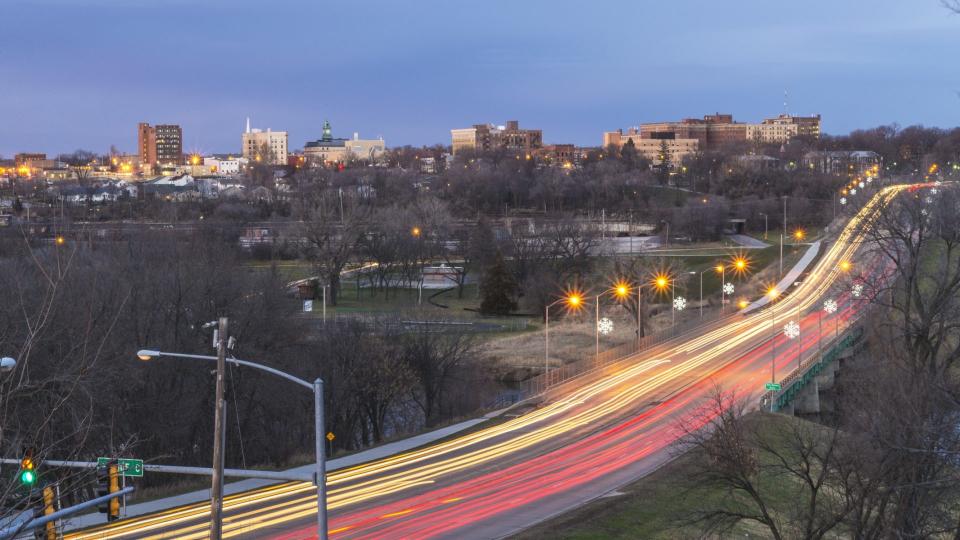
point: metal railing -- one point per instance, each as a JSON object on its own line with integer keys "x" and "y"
{"x": 800, "y": 377}
{"x": 595, "y": 362}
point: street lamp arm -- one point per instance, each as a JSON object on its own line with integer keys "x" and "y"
{"x": 235, "y": 361}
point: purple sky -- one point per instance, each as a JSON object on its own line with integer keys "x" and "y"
{"x": 82, "y": 73}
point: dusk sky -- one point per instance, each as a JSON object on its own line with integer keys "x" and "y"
{"x": 82, "y": 73}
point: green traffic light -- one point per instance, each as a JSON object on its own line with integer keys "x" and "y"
{"x": 27, "y": 478}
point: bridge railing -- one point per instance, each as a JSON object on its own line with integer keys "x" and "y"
{"x": 799, "y": 378}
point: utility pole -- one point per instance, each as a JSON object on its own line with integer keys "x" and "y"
{"x": 216, "y": 490}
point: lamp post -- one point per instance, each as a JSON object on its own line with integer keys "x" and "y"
{"x": 722, "y": 268}
{"x": 701, "y": 291}
{"x": 829, "y": 306}
{"x": 316, "y": 387}
{"x": 773, "y": 293}
{"x": 764, "y": 225}
{"x": 572, "y": 300}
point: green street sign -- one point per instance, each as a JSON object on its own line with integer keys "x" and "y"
{"x": 773, "y": 386}
{"x": 126, "y": 467}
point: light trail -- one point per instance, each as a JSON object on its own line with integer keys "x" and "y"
{"x": 588, "y": 406}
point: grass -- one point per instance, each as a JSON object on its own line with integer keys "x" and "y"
{"x": 661, "y": 505}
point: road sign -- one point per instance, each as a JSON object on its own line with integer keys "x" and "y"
{"x": 125, "y": 466}
{"x": 307, "y": 305}
{"x": 773, "y": 386}
{"x": 330, "y": 436}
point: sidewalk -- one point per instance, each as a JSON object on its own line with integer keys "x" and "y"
{"x": 372, "y": 454}
{"x": 789, "y": 279}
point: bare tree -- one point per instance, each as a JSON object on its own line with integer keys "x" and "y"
{"x": 332, "y": 234}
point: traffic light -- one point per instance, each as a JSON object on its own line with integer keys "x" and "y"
{"x": 28, "y": 469}
{"x": 108, "y": 481}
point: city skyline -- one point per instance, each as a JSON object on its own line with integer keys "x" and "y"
{"x": 412, "y": 74}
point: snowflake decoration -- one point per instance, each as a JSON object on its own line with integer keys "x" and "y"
{"x": 924, "y": 211}
{"x": 791, "y": 329}
{"x": 679, "y": 303}
{"x": 928, "y": 200}
{"x": 869, "y": 179}
{"x": 843, "y": 200}
{"x": 728, "y": 289}
{"x": 605, "y": 326}
{"x": 862, "y": 185}
{"x": 830, "y": 306}
{"x": 853, "y": 191}
{"x": 933, "y": 191}
{"x": 857, "y": 290}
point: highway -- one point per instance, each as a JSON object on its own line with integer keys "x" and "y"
{"x": 496, "y": 481}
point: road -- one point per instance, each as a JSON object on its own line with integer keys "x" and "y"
{"x": 498, "y": 480}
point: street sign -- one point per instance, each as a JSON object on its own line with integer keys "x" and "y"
{"x": 125, "y": 466}
{"x": 330, "y": 436}
{"x": 773, "y": 386}
{"x": 307, "y": 305}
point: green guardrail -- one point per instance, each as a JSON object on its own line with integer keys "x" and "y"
{"x": 793, "y": 390}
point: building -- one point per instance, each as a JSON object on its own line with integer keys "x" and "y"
{"x": 159, "y": 145}
{"x": 781, "y": 129}
{"x": 652, "y": 148}
{"x": 255, "y": 143}
{"x": 27, "y": 159}
{"x": 711, "y": 132}
{"x": 487, "y": 137}
{"x": 330, "y": 150}
{"x": 227, "y": 165}
{"x": 843, "y": 162}
{"x": 715, "y": 131}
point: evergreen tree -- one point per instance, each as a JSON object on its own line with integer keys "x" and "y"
{"x": 497, "y": 288}
{"x": 663, "y": 168}
{"x": 628, "y": 155}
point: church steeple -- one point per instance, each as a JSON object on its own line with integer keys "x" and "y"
{"x": 327, "y": 133}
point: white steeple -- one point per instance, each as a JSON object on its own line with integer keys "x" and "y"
{"x": 248, "y": 124}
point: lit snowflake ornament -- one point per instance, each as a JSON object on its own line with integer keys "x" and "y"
{"x": 605, "y": 326}
{"x": 843, "y": 200}
{"x": 791, "y": 329}
{"x": 679, "y": 303}
{"x": 857, "y": 290}
{"x": 728, "y": 289}
{"x": 830, "y": 306}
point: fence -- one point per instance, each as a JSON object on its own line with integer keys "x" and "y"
{"x": 594, "y": 362}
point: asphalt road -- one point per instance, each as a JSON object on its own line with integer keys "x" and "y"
{"x": 496, "y": 481}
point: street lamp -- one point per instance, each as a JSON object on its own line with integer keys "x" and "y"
{"x": 316, "y": 386}
{"x": 722, "y": 268}
{"x": 573, "y": 300}
{"x": 764, "y": 225}
{"x": 772, "y": 294}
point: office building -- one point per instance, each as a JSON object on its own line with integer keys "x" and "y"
{"x": 265, "y": 146}
{"x": 652, "y": 148}
{"x": 159, "y": 145}
{"x": 487, "y": 137}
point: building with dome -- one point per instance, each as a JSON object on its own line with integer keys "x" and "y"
{"x": 330, "y": 150}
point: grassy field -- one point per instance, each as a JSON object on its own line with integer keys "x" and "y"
{"x": 661, "y": 505}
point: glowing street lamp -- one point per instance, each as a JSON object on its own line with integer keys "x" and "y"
{"x": 573, "y": 300}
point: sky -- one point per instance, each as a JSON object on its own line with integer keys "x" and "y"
{"x": 82, "y": 73}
